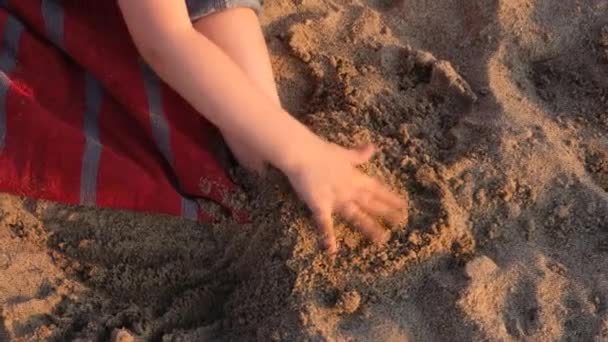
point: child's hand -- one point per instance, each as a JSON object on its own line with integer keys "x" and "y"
{"x": 326, "y": 178}
{"x": 323, "y": 174}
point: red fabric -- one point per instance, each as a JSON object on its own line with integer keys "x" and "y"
{"x": 83, "y": 115}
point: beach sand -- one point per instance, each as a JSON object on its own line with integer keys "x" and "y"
{"x": 491, "y": 116}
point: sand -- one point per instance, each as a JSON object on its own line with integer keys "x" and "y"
{"x": 492, "y": 116}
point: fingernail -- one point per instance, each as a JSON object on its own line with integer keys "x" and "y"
{"x": 384, "y": 238}
{"x": 395, "y": 218}
{"x": 330, "y": 248}
{"x": 399, "y": 218}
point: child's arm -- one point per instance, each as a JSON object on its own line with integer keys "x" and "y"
{"x": 208, "y": 79}
{"x": 323, "y": 174}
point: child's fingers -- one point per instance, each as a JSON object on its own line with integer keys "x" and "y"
{"x": 325, "y": 223}
{"x": 377, "y": 208}
{"x": 383, "y": 194}
{"x": 365, "y": 224}
{"x": 362, "y": 154}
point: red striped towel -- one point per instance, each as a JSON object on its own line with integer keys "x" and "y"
{"x": 84, "y": 121}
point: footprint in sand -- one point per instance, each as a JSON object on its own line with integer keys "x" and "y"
{"x": 581, "y": 322}
{"x": 521, "y": 314}
{"x": 597, "y": 165}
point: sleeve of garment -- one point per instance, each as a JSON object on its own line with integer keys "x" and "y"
{"x": 200, "y": 8}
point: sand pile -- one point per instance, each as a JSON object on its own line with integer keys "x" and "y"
{"x": 492, "y": 116}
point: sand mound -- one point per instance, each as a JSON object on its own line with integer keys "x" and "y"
{"x": 492, "y": 116}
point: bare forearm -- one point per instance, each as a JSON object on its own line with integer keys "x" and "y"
{"x": 216, "y": 87}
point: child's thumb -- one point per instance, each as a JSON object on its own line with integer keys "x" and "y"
{"x": 363, "y": 154}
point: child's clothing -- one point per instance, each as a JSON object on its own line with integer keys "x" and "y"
{"x": 201, "y": 8}
{"x": 84, "y": 121}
